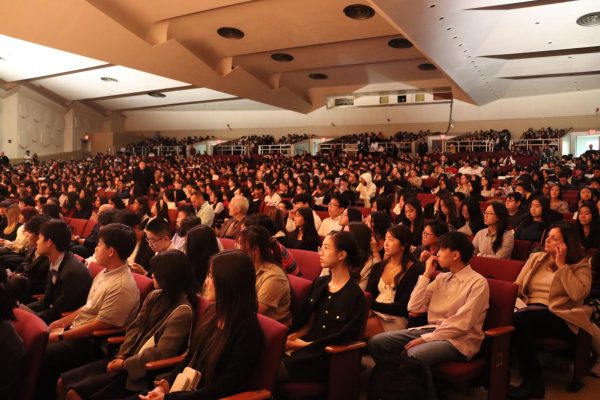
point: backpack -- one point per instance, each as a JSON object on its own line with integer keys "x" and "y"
{"x": 399, "y": 377}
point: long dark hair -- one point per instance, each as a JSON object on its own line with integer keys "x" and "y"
{"x": 259, "y": 238}
{"x": 234, "y": 281}
{"x": 309, "y": 222}
{"x": 200, "y": 245}
{"x": 404, "y": 236}
{"x": 502, "y": 215}
{"x": 452, "y": 216}
{"x": 144, "y": 206}
{"x": 419, "y": 220}
{"x": 362, "y": 235}
{"x": 475, "y": 215}
{"x": 545, "y": 203}
{"x": 595, "y": 224}
{"x": 345, "y": 241}
{"x": 173, "y": 272}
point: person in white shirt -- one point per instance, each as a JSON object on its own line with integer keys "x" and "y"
{"x": 302, "y": 200}
{"x": 272, "y": 198}
{"x": 335, "y": 208}
{"x": 456, "y": 304}
{"x": 204, "y": 210}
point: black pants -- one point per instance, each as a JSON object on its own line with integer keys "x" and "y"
{"x": 62, "y": 357}
{"x": 531, "y": 325}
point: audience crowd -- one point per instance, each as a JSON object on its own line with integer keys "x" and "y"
{"x": 404, "y": 229}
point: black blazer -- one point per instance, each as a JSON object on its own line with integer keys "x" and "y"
{"x": 92, "y": 240}
{"x": 70, "y": 290}
{"x": 308, "y": 242}
{"x": 403, "y": 289}
{"x": 144, "y": 255}
{"x": 349, "y": 306}
{"x": 35, "y": 269}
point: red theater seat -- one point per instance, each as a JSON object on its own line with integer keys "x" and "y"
{"x": 308, "y": 262}
{"x": 504, "y": 270}
{"x": 34, "y": 333}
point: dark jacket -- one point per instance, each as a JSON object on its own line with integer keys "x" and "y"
{"x": 144, "y": 255}
{"x": 403, "y": 289}
{"x": 70, "y": 291}
{"x": 234, "y": 368}
{"x": 92, "y": 240}
{"x": 142, "y": 181}
{"x": 234, "y": 232}
{"x": 310, "y": 243}
{"x": 343, "y": 320}
{"x": 35, "y": 269}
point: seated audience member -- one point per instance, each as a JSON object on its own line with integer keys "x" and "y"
{"x": 588, "y": 225}
{"x": 141, "y": 207}
{"x": 68, "y": 279}
{"x": 350, "y": 214}
{"x": 586, "y": 194}
{"x": 85, "y": 246}
{"x": 366, "y": 189}
{"x": 516, "y": 213}
{"x": 159, "y": 331}
{"x": 304, "y": 236}
{"x": 379, "y": 222}
{"x": 486, "y": 187}
{"x": 303, "y": 200}
{"x": 238, "y": 208}
{"x": 272, "y": 198}
{"x": 496, "y": 240}
{"x": 470, "y": 213}
{"x": 83, "y": 209}
{"x": 362, "y": 235}
{"x": 391, "y": 282}
{"x": 556, "y": 200}
{"x": 12, "y": 223}
{"x": 204, "y": 210}
{"x": 227, "y": 341}
{"x": 412, "y": 217}
{"x": 158, "y": 235}
{"x": 13, "y": 252}
{"x": 116, "y": 202}
{"x": 593, "y": 301}
{"x": 278, "y": 224}
{"x": 113, "y": 302}
{"x": 183, "y": 212}
{"x": 337, "y": 205}
{"x": 200, "y": 245}
{"x": 334, "y": 313}
{"x": 272, "y": 284}
{"x": 553, "y": 285}
{"x": 456, "y": 304}
{"x": 51, "y": 210}
{"x": 11, "y": 345}
{"x": 432, "y": 231}
{"x": 33, "y": 271}
{"x": 288, "y": 262}
{"x": 139, "y": 260}
{"x": 447, "y": 211}
{"x": 538, "y": 220}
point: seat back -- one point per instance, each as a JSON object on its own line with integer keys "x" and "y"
{"x": 521, "y": 250}
{"x": 308, "y": 262}
{"x": 34, "y": 333}
{"x": 265, "y": 373}
{"x": 502, "y": 303}
{"x": 144, "y": 285}
{"x": 503, "y": 270}
{"x": 228, "y": 244}
{"x": 95, "y": 268}
{"x": 322, "y": 214}
{"x": 77, "y": 226}
{"x": 89, "y": 227}
{"x": 300, "y": 288}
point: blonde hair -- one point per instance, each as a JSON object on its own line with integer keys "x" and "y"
{"x": 12, "y": 218}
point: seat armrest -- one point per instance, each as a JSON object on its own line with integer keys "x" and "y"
{"x": 108, "y": 332}
{"x": 345, "y": 347}
{"x": 253, "y": 395}
{"x": 66, "y": 314}
{"x": 38, "y": 297}
{"x": 164, "y": 363}
{"x": 116, "y": 339}
{"x": 499, "y": 331}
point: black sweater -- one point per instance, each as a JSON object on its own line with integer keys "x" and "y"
{"x": 403, "y": 289}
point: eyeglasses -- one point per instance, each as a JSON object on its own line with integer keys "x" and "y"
{"x": 333, "y": 205}
{"x": 489, "y": 213}
{"x": 427, "y": 234}
{"x": 154, "y": 240}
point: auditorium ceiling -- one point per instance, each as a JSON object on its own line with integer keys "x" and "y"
{"x": 291, "y": 54}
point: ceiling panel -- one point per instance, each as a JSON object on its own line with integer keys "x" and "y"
{"x": 171, "y": 97}
{"x": 89, "y": 84}
{"x": 25, "y": 60}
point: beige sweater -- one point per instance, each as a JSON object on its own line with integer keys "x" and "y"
{"x": 568, "y": 290}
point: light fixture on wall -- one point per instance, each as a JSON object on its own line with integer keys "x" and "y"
{"x": 85, "y": 139}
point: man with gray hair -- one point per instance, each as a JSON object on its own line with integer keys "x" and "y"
{"x": 238, "y": 207}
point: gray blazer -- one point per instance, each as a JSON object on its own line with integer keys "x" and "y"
{"x": 171, "y": 338}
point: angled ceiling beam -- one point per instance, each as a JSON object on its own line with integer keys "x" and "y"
{"x": 117, "y": 96}
{"x": 179, "y": 104}
{"x": 74, "y": 71}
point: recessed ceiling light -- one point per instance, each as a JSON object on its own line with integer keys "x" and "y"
{"x": 282, "y": 57}
{"x": 400, "y": 43}
{"x": 156, "y": 94}
{"x": 591, "y": 19}
{"x": 230, "y": 33}
{"x": 427, "y": 67}
{"x": 109, "y": 79}
{"x": 359, "y": 12}
{"x": 318, "y": 77}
